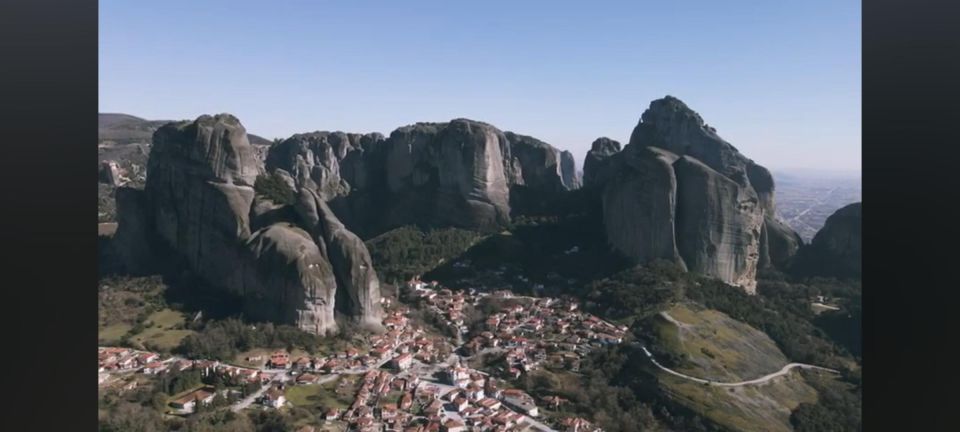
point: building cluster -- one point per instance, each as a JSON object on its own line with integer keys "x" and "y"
{"x": 529, "y": 332}
{"x": 402, "y": 402}
{"x": 405, "y": 396}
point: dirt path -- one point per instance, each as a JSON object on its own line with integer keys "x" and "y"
{"x": 786, "y": 369}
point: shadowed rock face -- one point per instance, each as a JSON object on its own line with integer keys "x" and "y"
{"x": 543, "y": 167}
{"x": 458, "y": 173}
{"x": 639, "y": 206}
{"x": 327, "y": 162}
{"x": 568, "y": 171}
{"x": 678, "y": 191}
{"x": 200, "y": 187}
{"x": 718, "y": 224}
{"x": 594, "y": 163}
{"x": 778, "y": 243}
{"x": 836, "y": 250}
{"x": 289, "y": 280}
{"x": 349, "y": 257}
{"x": 198, "y": 204}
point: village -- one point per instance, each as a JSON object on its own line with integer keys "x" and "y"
{"x": 405, "y": 380}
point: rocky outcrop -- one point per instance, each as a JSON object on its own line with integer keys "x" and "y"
{"x": 350, "y": 259}
{"x": 568, "y": 171}
{"x": 836, "y": 250}
{"x": 327, "y": 162}
{"x": 200, "y": 208}
{"x": 778, "y": 243}
{"x": 542, "y": 166}
{"x": 110, "y": 173}
{"x": 458, "y": 173}
{"x": 679, "y": 192}
{"x": 718, "y": 224}
{"x": 639, "y": 206}
{"x": 132, "y": 240}
{"x": 593, "y": 164}
{"x": 200, "y": 186}
{"x": 288, "y": 279}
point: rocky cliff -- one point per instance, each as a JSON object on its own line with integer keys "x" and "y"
{"x": 595, "y": 161}
{"x": 836, "y": 250}
{"x": 459, "y": 173}
{"x": 679, "y": 192}
{"x": 199, "y": 206}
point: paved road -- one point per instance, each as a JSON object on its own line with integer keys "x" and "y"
{"x": 247, "y": 401}
{"x": 786, "y": 369}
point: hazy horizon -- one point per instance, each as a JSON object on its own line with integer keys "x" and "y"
{"x": 779, "y": 82}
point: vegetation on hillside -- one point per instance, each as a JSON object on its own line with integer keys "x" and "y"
{"x": 408, "y": 251}
{"x": 224, "y": 339}
{"x": 838, "y": 407}
{"x": 272, "y": 187}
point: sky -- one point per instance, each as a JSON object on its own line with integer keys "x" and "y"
{"x": 778, "y": 80}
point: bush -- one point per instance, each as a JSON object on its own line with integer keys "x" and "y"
{"x": 272, "y": 187}
{"x": 223, "y": 340}
{"x": 409, "y": 251}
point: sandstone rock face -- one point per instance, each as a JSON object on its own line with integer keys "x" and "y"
{"x": 458, "y": 173}
{"x": 778, "y": 243}
{"x": 132, "y": 239}
{"x": 718, "y": 224}
{"x": 350, "y": 259}
{"x": 288, "y": 279}
{"x": 639, "y": 205}
{"x": 836, "y": 250}
{"x": 542, "y": 166}
{"x": 678, "y": 191}
{"x": 110, "y": 173}
{"x": 568, "y": 171}
{"x": 463, "y": 165}
{"x": 314, "y": 160}
{"x": 593, "y": 164}
{"x": 200, "y": 186}
{"x": 199, "y": 207}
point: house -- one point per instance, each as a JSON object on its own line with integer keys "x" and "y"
{"x": 460, "y": 403}
{"x": 188, "y": 402}
{"x": 402, "y": 362}
{"x": 406, "y": 401}
{"x": 575, "y": 424}
{"x": 154, "y": 368}
{"x": 279, "y": 360}
{"x": 274, "y": 398}
{"x": 307, "y": 378}
{"x": 380, "y": 353}
{"x": 301, "y": 363}
{"x": 435, "y": 408}
{"x": 474, "y": 391}
{"x": 524, "y": 405}
{"x": 147, "y": 358}
{"x": 453, "y": 425}
{"x": 331, "y": 414}
{"x": 489, "y": 403}
{"x": 388, "y": 411}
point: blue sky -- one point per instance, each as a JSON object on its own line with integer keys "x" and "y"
{"x": 780, "y": 81}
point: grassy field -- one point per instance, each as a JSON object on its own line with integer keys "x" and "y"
{"x": 716, "y": 346}
{"x": 164, "y": 333}
{"x": 111, "y": 334}
{"x": 318, "y": 396}
{"x": 750, "y": 408}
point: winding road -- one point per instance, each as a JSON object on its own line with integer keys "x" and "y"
{"x": 786, "y": 369}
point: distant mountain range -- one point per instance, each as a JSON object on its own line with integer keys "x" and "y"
{"x": 123, "y": 129}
